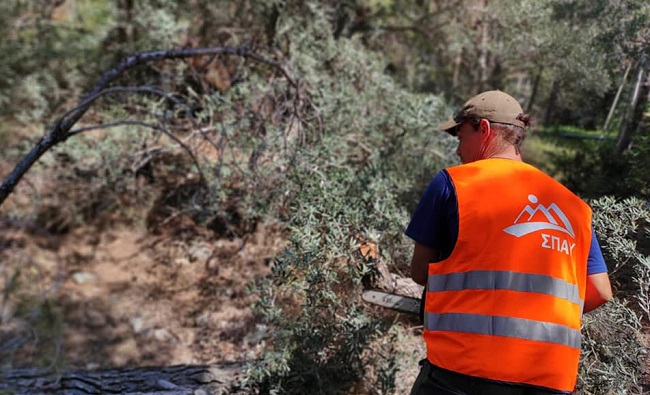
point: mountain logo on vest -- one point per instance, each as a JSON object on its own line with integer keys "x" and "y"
{"x": 533, "y": 219}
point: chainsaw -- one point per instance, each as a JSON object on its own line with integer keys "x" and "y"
{"x": 403, "y": 304}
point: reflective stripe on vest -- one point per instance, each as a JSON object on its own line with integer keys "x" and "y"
{"x": 505, "y": 280}
{"x": 503, "y": 326}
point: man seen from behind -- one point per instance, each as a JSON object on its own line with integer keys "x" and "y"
{"x": 509, "y": 261}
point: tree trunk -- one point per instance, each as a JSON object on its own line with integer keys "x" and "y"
{"x": 126, "y": 31}
{"x": 550, "y": 106}
{"x": 618, "y": 95}
{"x": 458, "y": 61}
{"x": 168, "y": 380}
{"x": 639, "y": 102}
{"x": 485, "y": 40}
{"x": 533, "y": 93}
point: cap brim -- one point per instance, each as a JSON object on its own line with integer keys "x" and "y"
{"x": 448, "y": 126}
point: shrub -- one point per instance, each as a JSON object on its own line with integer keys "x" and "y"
{"x": 353, "y": 183}
{"x": 50, "y": 60}
{"x": 614, "y": 355}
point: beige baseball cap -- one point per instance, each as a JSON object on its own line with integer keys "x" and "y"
{"x": 495, "y": 106}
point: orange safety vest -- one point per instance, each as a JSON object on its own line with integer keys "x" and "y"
{"x": 507, "y": 303}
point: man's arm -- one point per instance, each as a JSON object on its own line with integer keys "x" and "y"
{"x": 422, "y": 255}
{"x": 599, "y": 291}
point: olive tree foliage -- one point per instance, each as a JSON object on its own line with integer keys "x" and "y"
{"x": 56, "y": 49}
{"x": 624, "y": 28}
{"x": 576, "y": 53}
{"x": 48, "y": 56}
{"x": 563, "y": 59}
{"x": 614, "y": 358}
{"x": 355, "y": 183}
{"x": 561, "y": 63}
{"x": 619, "y": 38}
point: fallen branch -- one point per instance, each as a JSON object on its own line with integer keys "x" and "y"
{"x": 167, "y": 380}
{"x": 60, "y": 132}
{"x": 160, "y": 129}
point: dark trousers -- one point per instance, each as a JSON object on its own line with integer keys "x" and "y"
{"x": 433, "y": 380}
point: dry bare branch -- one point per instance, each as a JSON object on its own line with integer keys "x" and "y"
{"x": 60, "y": 132}
{"x": 161, "y": 129}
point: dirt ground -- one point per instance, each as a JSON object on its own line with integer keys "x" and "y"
{"x": 124, "y": 297}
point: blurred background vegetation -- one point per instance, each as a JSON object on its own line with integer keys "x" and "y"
{"x": 338, "y": 150}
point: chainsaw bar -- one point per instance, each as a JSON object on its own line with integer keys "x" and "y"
{"x": 399, "y": 303}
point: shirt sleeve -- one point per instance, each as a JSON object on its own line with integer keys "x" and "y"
{"x": 435, "y": 220}
{"x": 595, "y": 261}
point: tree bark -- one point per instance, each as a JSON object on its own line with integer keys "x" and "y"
{"x": 550, "y": 106}
{"x": 484, "y": 47}
{"x": 126, "y": 29}
{"x": 639, "y": 101}
{"x": 167, "y": 380}
{"x": 618, "y": 95}
{"x": 458, "y": 61}
{"x": 533, "y": 94}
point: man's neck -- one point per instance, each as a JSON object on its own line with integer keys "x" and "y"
{"x": 508, "y": 153}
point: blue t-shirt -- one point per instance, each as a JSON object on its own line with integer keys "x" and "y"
{"x": 435, "y": 223}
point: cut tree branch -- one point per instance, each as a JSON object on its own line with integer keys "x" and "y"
{"x": 167, "y": 380}
{"x": 61, "y": 129}
{"x": 146, "y": 125}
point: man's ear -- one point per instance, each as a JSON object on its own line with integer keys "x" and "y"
{"x": 485, "y": 129}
